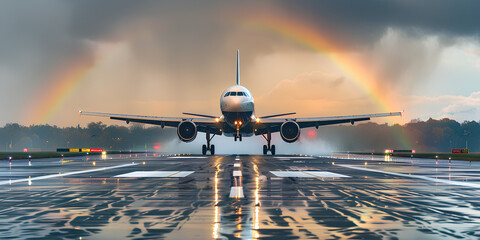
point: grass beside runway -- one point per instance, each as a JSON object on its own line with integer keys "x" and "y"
{"x": 447, "y": 156}
{"x": 25, "y": 155}
{"x": 36, "y": 155}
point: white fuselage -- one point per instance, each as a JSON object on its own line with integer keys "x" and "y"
{"x": 238, "y": 113}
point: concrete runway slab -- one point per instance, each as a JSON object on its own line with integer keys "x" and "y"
{"x": 190, "y": 197}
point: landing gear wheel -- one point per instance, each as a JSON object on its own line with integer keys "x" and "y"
{"x": 208, "y": 147}
{"x": 265, "y": 149}
{"x": 204, "y": 149}
{"x": 240, "y": 138}
{"x": 273, "y": 150}
{"x": 235, "y": 138}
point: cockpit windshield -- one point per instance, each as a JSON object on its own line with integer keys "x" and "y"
{"x": 236, "y": 94}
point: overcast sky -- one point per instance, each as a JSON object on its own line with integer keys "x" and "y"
{"x": 167, "y": 57}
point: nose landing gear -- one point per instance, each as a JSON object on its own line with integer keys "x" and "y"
{"x": 268, "y": 148}
{"x": 239, "y": 137}
{"x": 208, "y": 147}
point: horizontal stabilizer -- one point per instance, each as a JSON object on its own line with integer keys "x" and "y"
{"x": 277, "y": 115}
{"x": 200, "y": 115}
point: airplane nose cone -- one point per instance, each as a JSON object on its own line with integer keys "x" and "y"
{"x": 237, "y": 105}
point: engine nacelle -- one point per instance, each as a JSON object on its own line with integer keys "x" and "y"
{"x": 290, "y": 131}
{"x": 187, "y": 131}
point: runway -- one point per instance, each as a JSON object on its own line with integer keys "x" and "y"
{"x": 239, "y": 197}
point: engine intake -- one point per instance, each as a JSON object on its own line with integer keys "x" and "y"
{"x": 290, "y": 131}
{"x": 187, "y": 131}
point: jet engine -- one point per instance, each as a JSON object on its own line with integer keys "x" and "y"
{"x": 187, "y": 131}
{"x": 290, "y": 131}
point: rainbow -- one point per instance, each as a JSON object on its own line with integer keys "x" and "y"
{"x": 59, "y": 89}
{"x": 354, "y": 68}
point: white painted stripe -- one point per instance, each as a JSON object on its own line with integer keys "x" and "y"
{"x": 236, "y": 192}
{"x": 465, "y": 184}
{"x": 307, "y": 174}
{"x": 153, "y": 174}
{"x": 324, "y": 174}
{"x": 237, "y": 159}
{"x": 188, "y": 157}
{"x": 182, "y": 174}
{"x": 236, "y": 165}
{"x": 64, "y": 174}
{"x": 289, "y": 174}
{"x": 237, "y": 173}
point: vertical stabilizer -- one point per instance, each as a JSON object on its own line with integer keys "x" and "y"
{"x": 238, "y": 67}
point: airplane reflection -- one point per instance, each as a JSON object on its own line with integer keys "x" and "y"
{"x": 216, "y": 220}
{"x": 256, "y": 210}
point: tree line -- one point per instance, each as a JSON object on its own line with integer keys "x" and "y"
{"x": 14, "y": 137}
{"x": 423, "y": 136}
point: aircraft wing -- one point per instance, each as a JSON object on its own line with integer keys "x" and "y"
{"x": 274, "y": 124}
{"x": 203, "y": 124}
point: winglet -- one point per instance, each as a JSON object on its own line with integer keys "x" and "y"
{"x": 238, "y": 67}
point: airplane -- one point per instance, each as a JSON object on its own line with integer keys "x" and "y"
{"x": 239, "y": 120}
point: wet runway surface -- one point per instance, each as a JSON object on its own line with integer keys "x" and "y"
{"x": 239, "y": 197}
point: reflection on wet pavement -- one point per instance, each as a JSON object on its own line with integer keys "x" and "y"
{"x": 327, "y": 197}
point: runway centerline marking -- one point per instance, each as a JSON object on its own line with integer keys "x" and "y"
{"x": 236, "y": 192}
{"x": 65, "y": 174}
{"x": 237, "y": 173}
{"x": 436, "y": 180}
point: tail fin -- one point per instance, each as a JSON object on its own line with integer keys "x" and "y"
{"x": 238, "y": 67}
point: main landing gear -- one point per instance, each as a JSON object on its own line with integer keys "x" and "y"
{"x": 267, "y": 148}
{"x": 208, "y": 147}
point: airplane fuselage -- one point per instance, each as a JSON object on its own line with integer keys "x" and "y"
{"x": 238, "y": 112}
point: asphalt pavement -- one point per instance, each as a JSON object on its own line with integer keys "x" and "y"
{"x": 158, "y": 196}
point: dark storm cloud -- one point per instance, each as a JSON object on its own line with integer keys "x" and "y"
{"x": 186, "y": 33}
{"x": 163, "y": 36}
{"x": 367, "y": 20}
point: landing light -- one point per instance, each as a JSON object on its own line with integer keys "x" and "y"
{"x": 217, "y": 120}
{"x": 257, "y": 120}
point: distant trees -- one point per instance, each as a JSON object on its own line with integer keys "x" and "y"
{"x": 14, "y": 137}
{"x": 424, "y": 136}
